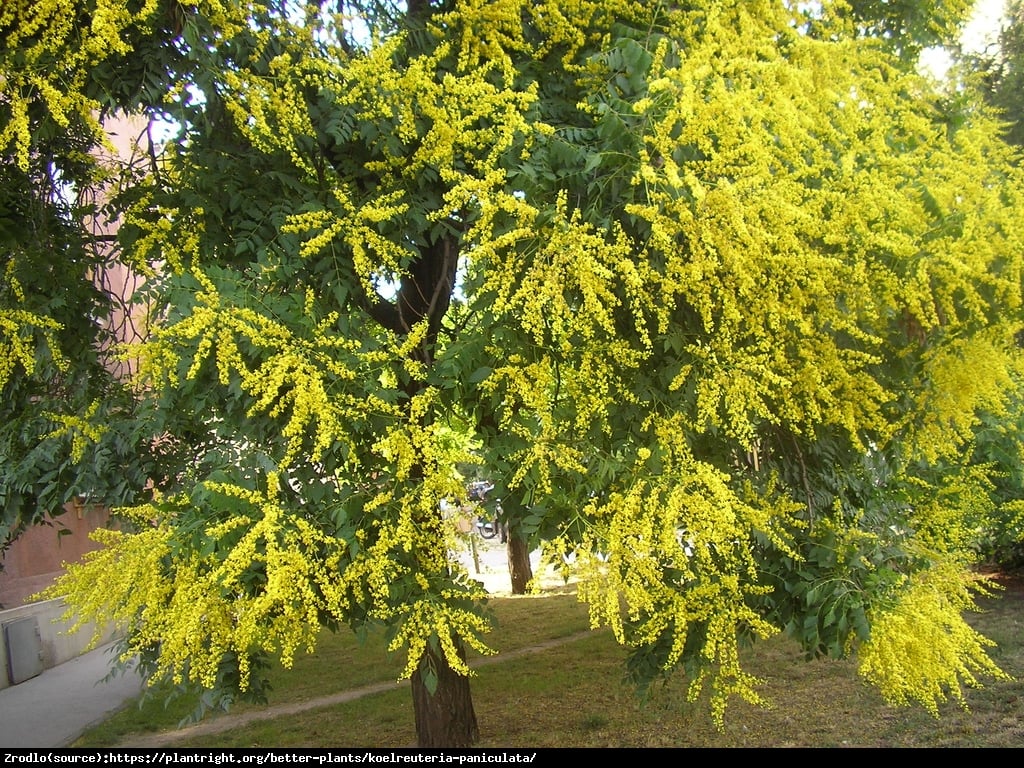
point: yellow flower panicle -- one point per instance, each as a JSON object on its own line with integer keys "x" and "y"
{"x": 114, "y": 586}
{"x": 921, "y": 648}
{"x": 674, "y": 555}
{"x": 306, "y": 379}
{"x": 55, "y": 54}
{"x": 82, "y": 429}
{"x": 197, "y": 606}
{"x": 20, "y": 333}
{"x": 488, "y": 31}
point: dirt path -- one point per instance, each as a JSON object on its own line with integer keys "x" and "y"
{"x": 229, "y": 722}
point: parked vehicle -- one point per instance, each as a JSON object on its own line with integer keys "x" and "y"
{"x": 488, "y": 524}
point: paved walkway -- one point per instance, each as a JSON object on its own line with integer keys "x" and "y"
{"x": 55, "y": 708}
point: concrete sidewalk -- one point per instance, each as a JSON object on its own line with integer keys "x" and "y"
{"x": 56, "y": 707}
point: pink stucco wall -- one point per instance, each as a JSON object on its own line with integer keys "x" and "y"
{"x": 37, "y": 557}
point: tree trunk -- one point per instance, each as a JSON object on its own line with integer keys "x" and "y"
{"x": 519, "y": 567}
{"x": 444, "y": 718}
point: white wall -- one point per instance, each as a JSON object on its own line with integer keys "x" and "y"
{"x": 56, "y": 644}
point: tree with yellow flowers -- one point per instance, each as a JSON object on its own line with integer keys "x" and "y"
{"x": 717, "y": 290}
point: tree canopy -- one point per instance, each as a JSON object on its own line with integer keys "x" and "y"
{"x": 1001, "y": 71}
{"x": 997, "y": 73}
{"x": 715, "y": 293}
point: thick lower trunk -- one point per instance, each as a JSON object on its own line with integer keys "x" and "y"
{"x": 519, "y": 567}
{"x": 444, "y": 718}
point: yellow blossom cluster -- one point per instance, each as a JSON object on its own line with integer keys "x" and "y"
{"x": 945, "y": 515}
{"x": 264, "y": 582}
{"x": 199, "y": 605}
{"x": 487, "y": 31}
{"x": 48, "y": 54}
{"x": 297, "y": 378}
{"x": 20, "y": 332}
{"x": 455, "y": 127}
{"x": 921, "y": 648}
{"x": 82, "y": 429}
{"x": 116, "y": 585}
{"x": 566, "y": 291}
{"x": 44, "y": 32}
{"x": 265, "y": 109}
{"x": 756, "y": 219}
{"x": 427, "y": 620}
{"x": 405, "y": 578}
{"x": 357, "y": 226}
{"x": 944, "y": 416}
{"x": 675, "y": 560}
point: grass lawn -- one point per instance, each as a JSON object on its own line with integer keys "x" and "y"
{"x": 568, "y": 692}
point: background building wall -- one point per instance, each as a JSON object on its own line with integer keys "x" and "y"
{"x": 37, "y": 557}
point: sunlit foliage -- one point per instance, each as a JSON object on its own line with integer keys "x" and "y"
{"x": 717, "y": 291}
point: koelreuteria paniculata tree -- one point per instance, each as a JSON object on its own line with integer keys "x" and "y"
{"x": 717, "y": 292}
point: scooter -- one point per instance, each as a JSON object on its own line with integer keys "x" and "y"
{"x": 486, "y": 526}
